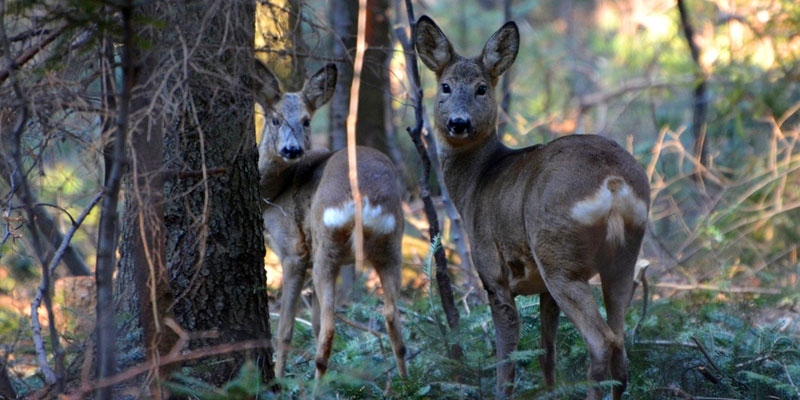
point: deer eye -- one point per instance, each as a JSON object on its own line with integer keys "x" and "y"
{"x": 445, "y": 88}
{"x": 306, "y": 122}
{"x": 276, "y": 122}
{"x": 481, "y": 90}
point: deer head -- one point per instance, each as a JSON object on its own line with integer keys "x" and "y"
{"x": 466, "y": 106}
{"x": 287, "y": 127}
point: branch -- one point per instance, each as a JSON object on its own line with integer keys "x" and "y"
{"x": 358, "y": 64}
{"x": 733, "y": 289}
{"x": 31, "y": 52}
{"x": 442, "y": 278}
{"x": 42, "y": 292}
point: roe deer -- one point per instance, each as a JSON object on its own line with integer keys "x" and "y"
{"x": 542, "y": 219}
{"x": 308, "y": 213}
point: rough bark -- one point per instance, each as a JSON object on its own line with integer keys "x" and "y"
{"x": 193, "y": 213}
{"x": 214, "y": 246}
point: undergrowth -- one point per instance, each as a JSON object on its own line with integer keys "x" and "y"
{"x": 679, "y": 351}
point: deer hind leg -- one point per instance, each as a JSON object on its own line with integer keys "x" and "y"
{"x": 575, "y": 298}
{"x": 548, "y": 314}
{"x": 294, "y": 273}
{"x": 325, "y": 271}
{"x": 617, "y": 292}
{"x": 387, "y": 263}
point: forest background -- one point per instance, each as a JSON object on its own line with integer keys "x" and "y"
{"x": 128, "y": 182}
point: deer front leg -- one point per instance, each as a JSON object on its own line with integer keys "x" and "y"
{"x": 548, "y": 314}
{"x": 507, "y": 325}
{"x": 294, "y": 272}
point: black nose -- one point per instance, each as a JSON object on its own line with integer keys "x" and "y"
{"x": 291, "y": 152}
{"x": 459, "y": 125}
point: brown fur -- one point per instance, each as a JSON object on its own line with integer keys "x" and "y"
{"x": 542, "y": 219}
{"x": 307, "y": 218}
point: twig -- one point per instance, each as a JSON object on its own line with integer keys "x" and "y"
{"x": 442, "y": 278}
{"x": 358, "y": 63}
{"x": 172, "y": 358}
{"x": 30, "y": 52}
{"x": 358, "y": 326}
{"x": 296, "y": 319}
{"x": 753, "y": 290}
{"x": 706, "y": 355}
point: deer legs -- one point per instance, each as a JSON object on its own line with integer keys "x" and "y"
{"x": 324, "y": 276}
{"x": 507, "y": 325}
{"x": 387, "y": 263}
{"x": 294, "y": 272}
{"x": 575, "y": 298}
{"x": 548, "y": 315}
{"x": 388, "y": 269}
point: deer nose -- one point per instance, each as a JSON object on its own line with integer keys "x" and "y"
{"x": 459, "y": 125}
{"x": 291, "y": 152}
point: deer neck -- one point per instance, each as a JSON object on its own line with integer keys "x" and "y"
{"x": 462, "y": 167}
{"x": 280, "y": 178}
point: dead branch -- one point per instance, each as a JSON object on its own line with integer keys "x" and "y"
{"x": 42, "y": 293}
{"x": 31, "y": 52}
{"x": 434, "y": 231}
{"x": 732, "y": 289}
{"x": 358, "y": 64}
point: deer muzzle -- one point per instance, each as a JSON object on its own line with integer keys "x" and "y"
{"x": 459, "y": 126}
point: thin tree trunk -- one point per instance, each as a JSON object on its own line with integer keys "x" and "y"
{"x": 343, "y": 21}
{"x": 109, "y": 220}
{"x": 142, "y": 252}
{"x": 442, "y": 278}
{"x": 700, "y": 100}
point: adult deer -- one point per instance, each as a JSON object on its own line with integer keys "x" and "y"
{"x": 542, "y": 219}
{"x": 309, "y": 211}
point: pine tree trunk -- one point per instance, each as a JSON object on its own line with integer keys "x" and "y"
{"x": 213, "y": 243}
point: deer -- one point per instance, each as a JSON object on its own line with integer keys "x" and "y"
{"x": 542, "y": 219}
{"x": 309, "y": 212}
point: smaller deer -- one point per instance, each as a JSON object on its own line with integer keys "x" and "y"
{"x": 542, "y": 219}
{"x": 308, "y": 213}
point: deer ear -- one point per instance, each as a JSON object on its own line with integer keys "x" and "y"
{"x": 318, "y": 89}
{"x": 433, "y": 48}
{"x": 501, "y": 50}
{"x": 267, "y": 86}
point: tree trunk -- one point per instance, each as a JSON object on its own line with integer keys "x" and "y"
{"x": 212, "y": 230}
{"x": 343, "y": 17}
{"x": 371, "y": 123}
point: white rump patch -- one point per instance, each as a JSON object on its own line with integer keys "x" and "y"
{"x": 613, "y": 203}
{"x": 373, "y": 217}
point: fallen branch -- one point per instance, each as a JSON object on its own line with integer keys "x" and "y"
{"x": 732, "y": 289}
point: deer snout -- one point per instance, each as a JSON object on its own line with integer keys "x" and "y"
{"x": 291, "y": 152}
{"x": 459, "y": 125}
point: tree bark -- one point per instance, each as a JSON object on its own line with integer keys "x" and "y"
{"x": 343, "y": 17}
{"x": 215, "y": 247}
{"x": 371, "y": 123}
{"x": 193, "y": 216}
